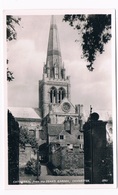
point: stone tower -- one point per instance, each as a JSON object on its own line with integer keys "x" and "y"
{"x": 54, "y": 86}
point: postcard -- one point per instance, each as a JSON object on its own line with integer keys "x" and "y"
{"x": 61, "y": 98}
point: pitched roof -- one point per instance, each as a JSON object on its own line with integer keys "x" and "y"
{"x": 25, "y": 112}
{"x": 55, "y": 129}
{"x": 69, "y": 138}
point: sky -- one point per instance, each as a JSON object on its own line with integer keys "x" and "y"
{"x": 27, "y": 56}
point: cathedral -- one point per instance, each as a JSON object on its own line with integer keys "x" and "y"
{"x": 57, "y": 123}
{"x": 61, "y": 120}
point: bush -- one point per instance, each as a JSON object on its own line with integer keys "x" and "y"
{"x": 56, "y": 171}
{"x": 68, "y": 172}
{"x": 31, "y": 167}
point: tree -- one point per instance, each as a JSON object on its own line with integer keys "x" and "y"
{"x": 27, "y": 138}
{"x": 11, "y": 22}
{"x": 11, "y": 34}
{"x": 23, "y": 138}
{"x": 94, "y": 32}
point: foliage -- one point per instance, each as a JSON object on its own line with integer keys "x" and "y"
{"x": 94, "y": 32}
{"x": 27, "y": 138}
{"x": 68, "y": 172}
{"x": 9, "y": 75}
{"x": 11, "y": 34}
{"x": 11, "y": 21}
{"x": 31, "y": 167}
{"x": 23, "y": 139}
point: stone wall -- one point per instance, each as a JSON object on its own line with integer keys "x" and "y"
{"x": 25, "y": 155}
{"x": 56, "y": 158}
{"x": 72, "y": 158}
{"x": 65, "y": 158}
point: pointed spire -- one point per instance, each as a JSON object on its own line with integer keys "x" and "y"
{"x": 53, "y": 52}
{"x": 63, "y": 66}
{"x": 53, "y": 20}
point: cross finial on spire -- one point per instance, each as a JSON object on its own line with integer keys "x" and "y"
{"x": 91, "y": 109}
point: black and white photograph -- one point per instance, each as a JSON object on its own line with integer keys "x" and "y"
{"x": 60, "y": 97}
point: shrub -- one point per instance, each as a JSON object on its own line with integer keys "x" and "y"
{"x": 56, "y": 171}
{"x": 68, "y": 172}
{"x": 31, "y": 167}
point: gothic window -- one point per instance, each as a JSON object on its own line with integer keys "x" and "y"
{"x": 76, "y": 109}
{"x": 56, "y": 70}
{"x": 53, "y": 95}
{"x": 76, "y": 121}
{"x": 61, "y": 94}
{"x": 62, "y": 76}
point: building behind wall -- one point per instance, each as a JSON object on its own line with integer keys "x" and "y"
{"x": 28, "y": 118}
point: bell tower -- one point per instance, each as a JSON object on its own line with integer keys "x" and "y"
{"x": 54, "y": 86}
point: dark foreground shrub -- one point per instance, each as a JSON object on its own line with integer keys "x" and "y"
{"x": 31, "y": 167}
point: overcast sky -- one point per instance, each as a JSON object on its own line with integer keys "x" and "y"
{"x": 27, "y": 56}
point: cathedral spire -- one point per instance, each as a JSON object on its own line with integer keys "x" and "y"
{"x": 53, "y": 20}
{"x": 54, "y": 59}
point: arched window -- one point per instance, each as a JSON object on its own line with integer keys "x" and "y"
{"x": 53, "y": 95}
{"x": 61, "y": 94}
{"x": 76, "y": 121}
